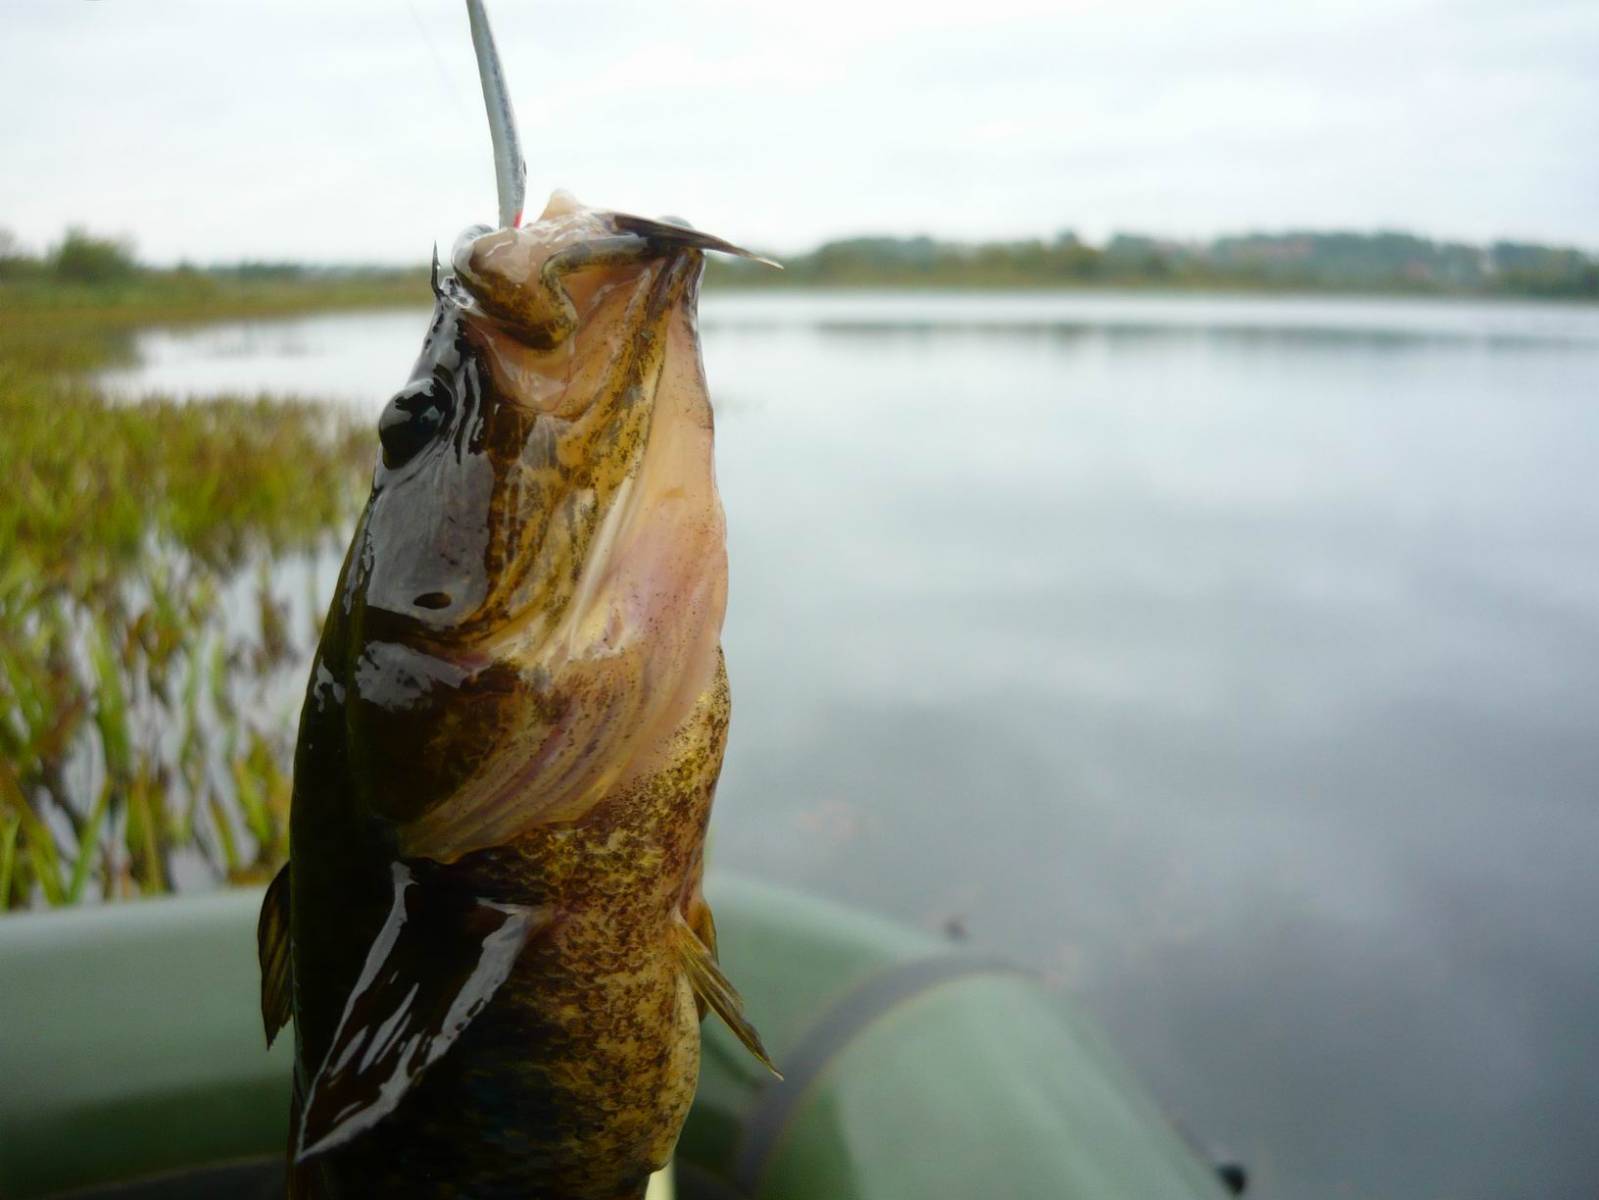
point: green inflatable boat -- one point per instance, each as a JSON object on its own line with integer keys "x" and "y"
{"x": 132, "y": 1067}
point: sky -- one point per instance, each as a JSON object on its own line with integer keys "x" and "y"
{"x": 217, "y": 130}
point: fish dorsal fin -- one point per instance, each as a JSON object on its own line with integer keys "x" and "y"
{"x": 439, "y": 958}
{"x": 272, "y": 946}
{"x": 712, "y": 987}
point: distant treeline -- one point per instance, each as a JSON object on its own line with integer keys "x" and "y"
{"x": 84, "y": 258}
{"x": 86, "y": 273}
{"x": 1300, "y": 260}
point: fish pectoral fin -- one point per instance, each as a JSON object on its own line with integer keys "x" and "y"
{"x": 272, "y": 947}
{"x": 439, "y": 958}
{"x": 697, "y": 915}
{"x": 712, "y": 987}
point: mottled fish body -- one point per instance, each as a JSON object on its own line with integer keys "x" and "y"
{"x": 490, "y": 934}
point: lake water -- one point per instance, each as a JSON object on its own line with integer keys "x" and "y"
{"x": 1235, "y": 661}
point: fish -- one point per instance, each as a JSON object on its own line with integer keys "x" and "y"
{"x": 491, "y": 934}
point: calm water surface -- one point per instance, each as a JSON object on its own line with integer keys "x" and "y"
{"x": 1235, "y": 661}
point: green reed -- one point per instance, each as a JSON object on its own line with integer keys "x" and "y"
{"x": 142, "y": 636}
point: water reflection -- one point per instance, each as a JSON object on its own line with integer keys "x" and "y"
{"x": 1146, "y": 314}
{"x": 1232, "y": 660}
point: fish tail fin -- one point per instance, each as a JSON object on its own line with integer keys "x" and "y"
{"x": 272, "y": 946}
{"x": 712, "y": 987}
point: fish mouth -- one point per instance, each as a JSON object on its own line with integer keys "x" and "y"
{"x": 532, "y": 282}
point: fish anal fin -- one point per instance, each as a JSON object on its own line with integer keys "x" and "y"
{"x": 439, "y": 958}
{"x": 272, "y": 947}
{"x": 713, "y": 988}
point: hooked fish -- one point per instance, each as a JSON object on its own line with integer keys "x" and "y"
{"x": 491, "y": 934}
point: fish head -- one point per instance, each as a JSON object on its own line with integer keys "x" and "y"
{"x": 535, "y": 589}
{"x": 531, "y": 401}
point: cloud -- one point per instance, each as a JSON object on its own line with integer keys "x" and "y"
{"x": 354, "y": 131}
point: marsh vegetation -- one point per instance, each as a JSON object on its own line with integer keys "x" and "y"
{"x": 143, "y": 636}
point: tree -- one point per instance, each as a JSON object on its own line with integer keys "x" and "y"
{"x": 83, "y": 258}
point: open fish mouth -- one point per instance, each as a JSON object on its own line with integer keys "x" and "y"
{"x": 522, "y": 277}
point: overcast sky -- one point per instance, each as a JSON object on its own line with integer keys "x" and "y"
{"x": 354, "y": 131}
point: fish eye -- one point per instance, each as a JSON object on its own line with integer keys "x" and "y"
{"x": 416, "y": 413}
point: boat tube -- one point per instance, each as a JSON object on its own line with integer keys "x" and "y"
{"x": 132, "y": 1067}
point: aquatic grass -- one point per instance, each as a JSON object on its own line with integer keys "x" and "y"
{"x": 89, "y": 838}
{"x": 9, "y": 828}
{"x": 144, "y": 646}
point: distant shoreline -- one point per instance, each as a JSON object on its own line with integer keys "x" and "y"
{"x": 85, "y": 274}
{"x": 1311, "y": 262}
{"x": 1219, "y": 288}
{"x": 164, "y": 298}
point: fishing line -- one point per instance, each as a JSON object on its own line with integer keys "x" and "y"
{"x": 438, "y": 63}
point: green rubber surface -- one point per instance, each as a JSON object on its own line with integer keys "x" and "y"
{"x": 131, "y": 1048}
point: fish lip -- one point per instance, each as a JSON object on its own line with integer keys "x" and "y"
{"x": 658, "y": 240}
{"x": 681, "y": 236}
